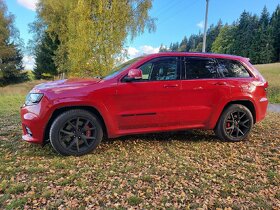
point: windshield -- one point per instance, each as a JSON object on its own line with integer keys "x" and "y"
{"x": 121, "y": 68}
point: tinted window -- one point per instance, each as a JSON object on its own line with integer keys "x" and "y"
{"x": 161, "y": 69}
{"x": 230, "y": 68}
{"x": 200, "y": 68}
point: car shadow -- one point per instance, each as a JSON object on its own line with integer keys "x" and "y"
{"x": 188, "y": 136}
{"x": 184, "y": 136}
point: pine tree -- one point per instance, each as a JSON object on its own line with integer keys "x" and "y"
{"x": 275, "y": 33}
{"x": 263, "y": 41}
{"x": 246, "y": 30}
{"x": 163, "y": 48}
{"x": 183, "y": 45}
{"x": 191, "y": 43}
{"x": 10, "y": 53}
{"x": 195, "y": 43}
{"x": 44, "y": 54}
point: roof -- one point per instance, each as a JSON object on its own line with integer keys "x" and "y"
{"x": 194, "y": 54}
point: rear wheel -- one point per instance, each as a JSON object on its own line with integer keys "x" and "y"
{"x": 235, "y": 123}
{"x": 75, "y": 132}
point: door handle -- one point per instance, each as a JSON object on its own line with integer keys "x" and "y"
{"x": 171, "y": 86}
{"x": 198, "y": 88}
{"x": 220, "y": 83}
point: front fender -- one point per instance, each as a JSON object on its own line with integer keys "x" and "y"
{"x": 69, "y": 103}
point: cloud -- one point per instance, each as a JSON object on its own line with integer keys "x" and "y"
{"x": 142, "y": 50}
{"x": 29, "y": 4}
{"x": 132, "y": 52}
{"x": 28, "y": 62}
{"x": 200, "y": 24}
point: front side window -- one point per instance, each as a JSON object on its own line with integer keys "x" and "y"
{"x": 160, "y": 69}
{"x": 121, "y": 67}
{"x": 200, "y": 68}
{"x": 231, "y": 68}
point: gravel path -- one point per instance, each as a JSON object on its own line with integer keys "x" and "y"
{"x": 274, "y": 108}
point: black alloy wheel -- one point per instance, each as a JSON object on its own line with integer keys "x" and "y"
{"x": 235, "y": 123}
{"x": 75, "y": 132}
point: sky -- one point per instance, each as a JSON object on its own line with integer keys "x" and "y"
{"x": 175, "y": 19}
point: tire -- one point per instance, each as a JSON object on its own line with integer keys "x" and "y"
{"x": 76, "y": 132}
{"x": 235, "y": 123}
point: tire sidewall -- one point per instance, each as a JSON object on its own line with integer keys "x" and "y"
{"x": 60, "y": 121}
{"x": 222, "y": 128}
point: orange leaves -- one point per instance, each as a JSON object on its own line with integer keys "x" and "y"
{"x": 184, "y": 170}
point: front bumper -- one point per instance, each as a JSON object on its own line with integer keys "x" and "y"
{"x": 34, "y": 121}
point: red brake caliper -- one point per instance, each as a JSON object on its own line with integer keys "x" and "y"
{"x": 228, "y": 125}
{"x": 88, "y": 133}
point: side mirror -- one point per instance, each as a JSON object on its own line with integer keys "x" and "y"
{"x": 133, "y": 74}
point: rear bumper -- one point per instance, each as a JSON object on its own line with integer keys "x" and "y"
{"x": 261, "y": 108}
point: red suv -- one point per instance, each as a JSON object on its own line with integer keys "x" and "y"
{"x": 154, "y": 93}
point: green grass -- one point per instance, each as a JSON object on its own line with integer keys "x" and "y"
{"x": 17, "y": 204}
{"x": 178, "y": 170}
{"x": 134, "y": 200}
{"x": 271, "y": 72}
{"x": 12, "y": 96}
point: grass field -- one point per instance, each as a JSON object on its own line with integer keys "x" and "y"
{"x": 271, "y": 72}
{"x": 182, "y": 170}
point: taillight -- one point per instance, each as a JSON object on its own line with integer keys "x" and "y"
{"x": 265, "y": 86}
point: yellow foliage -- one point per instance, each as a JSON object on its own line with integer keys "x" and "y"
{"x": 92, "y": 33}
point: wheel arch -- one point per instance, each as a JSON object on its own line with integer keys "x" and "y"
{"x": 247, "y": 103}
{"x": 61, "y": 110}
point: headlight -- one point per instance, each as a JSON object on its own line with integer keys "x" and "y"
{"x": 33, "y": 98}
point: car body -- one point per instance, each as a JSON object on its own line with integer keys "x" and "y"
{"x": 176, "y": 91}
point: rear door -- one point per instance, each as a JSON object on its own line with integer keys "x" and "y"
{"x": 203, "y": 90}
{"x": 153, "y": 101}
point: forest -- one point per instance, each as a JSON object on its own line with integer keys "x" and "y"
{"x": 252, "y": 36}
{"x": 87, "y": 38}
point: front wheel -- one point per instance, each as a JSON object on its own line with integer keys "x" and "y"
{"x": 75, "y": 132}
{"x": 235, "y": 123}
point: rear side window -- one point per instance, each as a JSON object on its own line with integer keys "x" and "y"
{"x": 231, "y": 68}
{"x": 200, "y": 68}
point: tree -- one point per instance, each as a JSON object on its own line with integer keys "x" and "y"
{"x": 10, "y": 54}
{"x": 163, "y": 48}
{"x": 246, "y": 31}
{"x": 44, "y": 54}
{"x": 252, "y": 36}
{"x": 195, "y": 43}
{"x": 263, "y": 40}
{"x": 174, "y": 47}
{"x": 212, "y": 34}
{"x": 275, "y": 33}
{"x": 198, "y": 47}
{"x": 183, "y": 45}
{"x": 224, "y": 41}
{"x": 92, "y": 33}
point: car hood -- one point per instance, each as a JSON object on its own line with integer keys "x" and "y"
{"x": 66, "y": 84}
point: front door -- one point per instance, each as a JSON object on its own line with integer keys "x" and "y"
{"x": 152, "y": 102}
